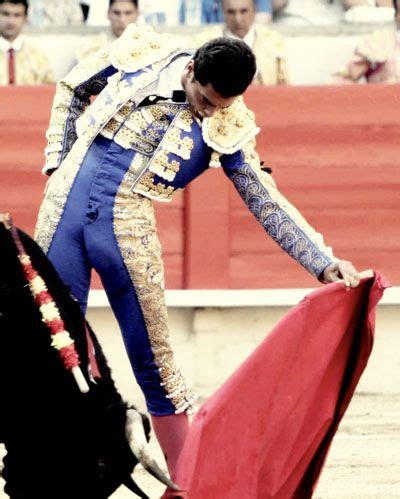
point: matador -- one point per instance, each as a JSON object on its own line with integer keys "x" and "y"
{"x": 162, "y": 117}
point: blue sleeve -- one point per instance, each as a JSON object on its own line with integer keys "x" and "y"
{"x": 282, "y": 222}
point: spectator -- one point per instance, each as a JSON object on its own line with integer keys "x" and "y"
{"x": 267, "y": 45}
{"x": 120, "y": 14}
{"x": 211, "y": 12}
{"x": 310, "y": 12}
{"x": 376, "y": 59}
{"x": 368, "y": 11}
{"x": 20, "y": 62}
{"x": 161, "y": 12}
{"x": 55, "y": 13}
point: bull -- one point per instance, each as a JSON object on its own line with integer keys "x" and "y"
{"x": 62, "y": 441}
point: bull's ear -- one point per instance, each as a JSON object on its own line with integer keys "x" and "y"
{"x": 134, "y": 487}
{"x": 136, "y": 437}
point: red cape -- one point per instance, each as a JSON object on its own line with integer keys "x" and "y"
{"x": 266, "y": 432}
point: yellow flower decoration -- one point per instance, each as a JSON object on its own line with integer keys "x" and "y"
{"x": 49, "y": 311}
{"x": 37, "y": 285}
{"x": 61, "y": 340}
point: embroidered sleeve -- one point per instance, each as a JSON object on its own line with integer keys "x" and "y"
{"x": 73, "y": 94}
{"x": 279, "y": 218}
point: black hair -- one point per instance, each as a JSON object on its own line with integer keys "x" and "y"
{"x": 17, "y": 2}
{"x": 135, "y": 2}
{"x": 228, "y": 64}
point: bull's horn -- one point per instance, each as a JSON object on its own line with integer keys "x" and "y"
{"x": 137, "y": 442}
{"x": 134, "y": 487}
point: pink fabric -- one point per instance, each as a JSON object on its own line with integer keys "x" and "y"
{"x": 266, "y": 432}
{"x": 171, "y": 432}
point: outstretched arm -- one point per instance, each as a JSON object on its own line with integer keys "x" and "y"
{"x": 281, "y": 220}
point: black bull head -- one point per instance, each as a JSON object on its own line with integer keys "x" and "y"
{"x": 60, "y": 443}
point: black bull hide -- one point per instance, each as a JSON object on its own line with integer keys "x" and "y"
{"x": 60, "y": 443}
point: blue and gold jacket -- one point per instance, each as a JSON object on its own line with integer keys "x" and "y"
{"x": 176, "y": 145}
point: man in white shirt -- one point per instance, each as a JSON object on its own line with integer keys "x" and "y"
{"x": 268, "y": 45}
{"x": 20, "y": 62}
{"x": 120, "y": 14}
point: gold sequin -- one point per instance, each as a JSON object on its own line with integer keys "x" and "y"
{"x": 149, "y": 188}
{"x": 58, "y": 188}
{"x": 230, "y": 128}
{"x": 140, "y": 46}
{"x": 135, "y": 231}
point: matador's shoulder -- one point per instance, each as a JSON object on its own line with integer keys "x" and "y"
{"x": 377, "y": 47}
{"x": 140, "y": 46}
{"x": 230, "y": 129}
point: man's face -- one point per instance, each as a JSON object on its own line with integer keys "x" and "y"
{"x": 203, "y": 99}
{"x": 239, "y": 16}
{"x": 120, "y": 14}
{"x": 12, "y": 20}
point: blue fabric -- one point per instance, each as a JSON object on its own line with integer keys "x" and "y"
{"x": 211, "y": 10}
{"x": 85, "y": 239}
{"x": 274, "y": 218}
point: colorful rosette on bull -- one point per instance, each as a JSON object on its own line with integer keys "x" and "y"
{"x": 61, "y": 340}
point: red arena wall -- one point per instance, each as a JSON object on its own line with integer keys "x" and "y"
{"x": 334, "y": 152}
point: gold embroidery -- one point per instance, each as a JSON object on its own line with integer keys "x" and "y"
{"x": 182, "y": 146}
{"x": 56, "y": 195}
{"x": 110, "y": 129}
{"x": 184, "y": 120}
{"x": 230, "y": 128}
{"x": 135, "y": 231}
{"x": 140, "y": 46}
{"x": 149, "y": 188}
{"x": 125, "y": 110}
{"x": 63, "y": 101}
{"x": 277, "y": 199}
{"x": 128, "y": 139}
{"x": 119, "y": 92}
{"x": 163, "y": 167}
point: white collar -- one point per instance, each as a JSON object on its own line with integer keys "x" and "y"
{"x": 171, "y": 76}
{"x": 248, "y": 39}
{"x": 5, "y": 45}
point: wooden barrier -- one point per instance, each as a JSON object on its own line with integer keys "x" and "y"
{"x": 334, "y": 152}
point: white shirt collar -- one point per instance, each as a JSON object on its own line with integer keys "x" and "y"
{"x": 171, "y": 76}
{"x": 5, "y": 45}
{"x": 248, "y": 39}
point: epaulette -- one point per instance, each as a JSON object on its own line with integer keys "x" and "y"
{"x": 230, "y": 128}
{"x": 377, "y": 47}
{"x": 140, "y": 46}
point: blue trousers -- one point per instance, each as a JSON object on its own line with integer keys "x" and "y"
{"x": 86, "y": 238}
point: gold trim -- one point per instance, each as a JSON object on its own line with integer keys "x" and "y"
{"x": 57, "y": 190}
{"x": 135, "y": 231}
{"x": 149, "y": 188}
{"x": 140, "y": 46}
{"x": 230, "y": 128}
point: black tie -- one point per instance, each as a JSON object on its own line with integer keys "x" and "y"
{"x": 177, "y": 96}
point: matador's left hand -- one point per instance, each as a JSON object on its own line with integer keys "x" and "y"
{"x": 342, "y": 270}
